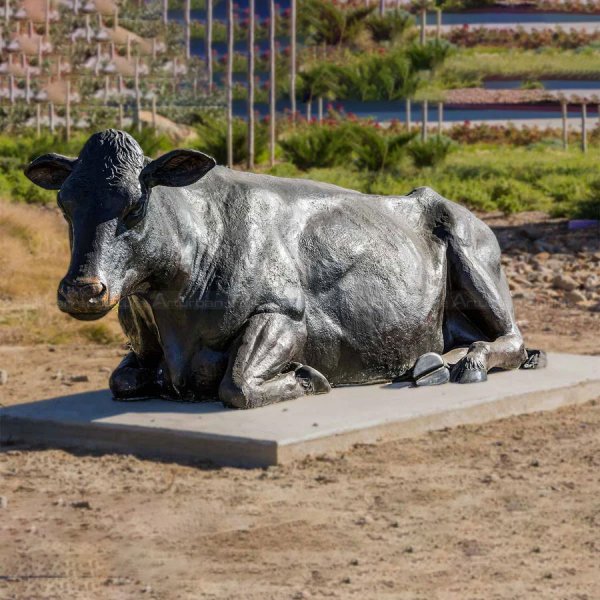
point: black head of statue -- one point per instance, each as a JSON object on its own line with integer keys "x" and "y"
{"x": 103, "y": 194}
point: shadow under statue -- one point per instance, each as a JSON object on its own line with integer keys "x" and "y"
{"x": 256, "y": 289}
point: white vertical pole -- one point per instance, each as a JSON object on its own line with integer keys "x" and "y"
{"x": 209, "y": 29}
{"x": 293, "y": 32}
{"x": 584, "y": 142}
{"x": 229, "y": 83}
{"x": 251, "y": 24}
{"x": 272, "y": 82}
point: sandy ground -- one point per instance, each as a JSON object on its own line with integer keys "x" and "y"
{"x": 508, "y": 510}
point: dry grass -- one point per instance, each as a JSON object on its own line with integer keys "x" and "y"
{"x": 34, "y": 254}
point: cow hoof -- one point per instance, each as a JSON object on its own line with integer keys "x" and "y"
{"x": 464, "y": 371}
{"x": 430, "y": 369}
{"x": 129, "y": 384}
{"x": 312, "y": 381}
{"x": 426, "y": 363}
{"x": 536, "y": 359}
{"x": 437, "y": 377}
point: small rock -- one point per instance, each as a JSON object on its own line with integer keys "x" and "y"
{"x": 58, "y": 375}
{"x": 3, "y": 377}
{"x": 592, "y": 283}
{"x": 78, "y": 378}
{"x": 564, "y": 282}
{"x": 3, "y": 502}
{"x": 574, "y": 297}
{"x": 83, "y": 504}
{"x": 104, "y": 370}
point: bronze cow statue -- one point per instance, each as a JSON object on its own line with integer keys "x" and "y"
{"x": 256, "y": 289}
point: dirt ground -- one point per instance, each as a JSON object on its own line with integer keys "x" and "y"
{"x": 507, "y": 510}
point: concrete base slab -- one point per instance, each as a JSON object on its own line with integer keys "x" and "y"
{"x": 292, "y": 430}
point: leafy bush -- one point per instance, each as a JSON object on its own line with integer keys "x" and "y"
{"x": 429, "y": 56}
{"x": 369, "y": 77}
{"x": 315, "y": 146}
{"x": 323, "y": 22}
{"x": 431, "y": 152}
{"x": 390, "y": 27}
{"x": 212, "y": 139}
{"x": 375, "y": 150}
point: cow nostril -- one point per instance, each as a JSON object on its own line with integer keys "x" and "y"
{"x": 86, "y": 291}
{"x": 93, "y": 290}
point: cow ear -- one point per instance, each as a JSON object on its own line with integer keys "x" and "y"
{"x": 50, "y": 170}
{"x": 177, "y": 169}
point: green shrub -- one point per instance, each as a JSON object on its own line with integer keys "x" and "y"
{"x": 375, "y": 150}
{"x": 316, "y": 146}
{"x": 431, "y": 152}
{"x": 390, "y": 27}
{"x": 429, "y": 56}
{"x": 212, "y": 139}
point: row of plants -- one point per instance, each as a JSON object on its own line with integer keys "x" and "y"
{"x": 510, "y": 135}
{"x": 468, "y": 67}
{"x": 557, "y": 37}
{"x": 557, "y": 6}
{"x": 361, "y": 155}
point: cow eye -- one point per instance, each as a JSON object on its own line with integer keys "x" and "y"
{"x": 134, "y": 215}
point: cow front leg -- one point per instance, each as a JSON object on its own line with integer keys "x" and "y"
{"x": 262, "y": 368}
{"x": 131, "y": 380}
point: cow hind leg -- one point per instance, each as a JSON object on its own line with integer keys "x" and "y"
{"x": 261, "y": 367}
{"x": 481, "y": 314}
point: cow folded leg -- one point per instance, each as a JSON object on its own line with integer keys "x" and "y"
{"x": 261, "y": 367}
{"x": 480, "y": 295}
{"x": 131, "y": 380}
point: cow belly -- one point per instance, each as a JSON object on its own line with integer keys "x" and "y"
{"x": 375, "y": 323}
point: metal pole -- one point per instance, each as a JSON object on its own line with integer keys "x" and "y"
{"x": 38, "y": 120}
{"x": 68, "y": 111}
{"x": 425, "y": 120}
{"x": 381, "y": 7}
{"x": 251, "y": 24}
{"x": 138, "y": 101}
{"x": 293, "y": 27}
{"x": 438, "y": 23}
{"x": 209, "y": 30}
{"x": 229, "y": 83}
{"x": 272, "y": 83}
{"x": 51, "y": 116}
{"x": 165, "y": 12}
{"x": 423, "y": 23}
{"x": 565, "y": 130}
{"x": 320, "y": 109}
{"x": 408, "y": 115}
{"x": 584, "y": 143}
{"x": 187, "y": 18}
{"x": 440, "y": 108}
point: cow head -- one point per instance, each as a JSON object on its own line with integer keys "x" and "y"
{"x": 104, "y": 195}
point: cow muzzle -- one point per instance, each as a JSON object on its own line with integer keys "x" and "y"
{"x": 86, "y": 298}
